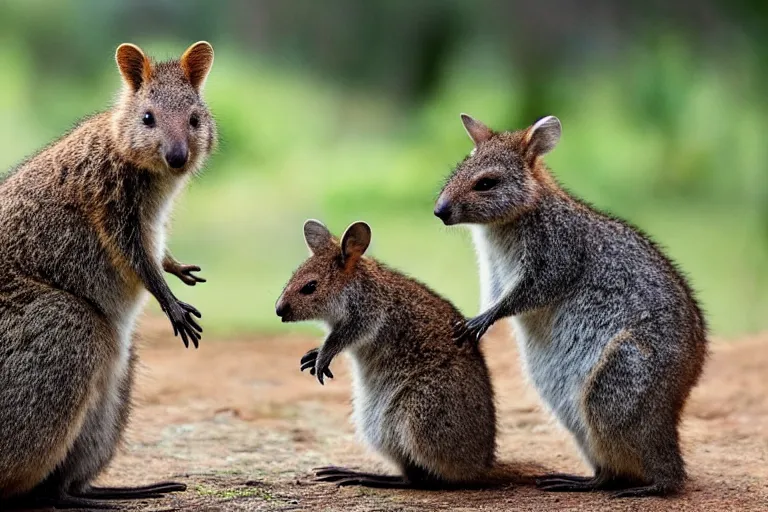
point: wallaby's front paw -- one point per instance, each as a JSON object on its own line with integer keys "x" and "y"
{"x": 309, "y": 361}
{"x": 180, "y": 313}
{"x": 185, "y": 273}
{"x": 459, "y": 332}
{"x": 471, "y": 330}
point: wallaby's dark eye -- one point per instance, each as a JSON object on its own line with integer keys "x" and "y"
{"x": 484, "y": 184}
{"x": 194, "y": 121}
{"x": 308, "y": 288}
{"x": 148, "y": 119}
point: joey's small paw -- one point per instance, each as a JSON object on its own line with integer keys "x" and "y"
{"x": 184, "y": 325}
{"x": 187, "y": 276}
{"x": 309, "y": 362}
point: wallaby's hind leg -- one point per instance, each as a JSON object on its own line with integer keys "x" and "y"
{"x": 664, "y": 465}
{"x": 633, "y": 430}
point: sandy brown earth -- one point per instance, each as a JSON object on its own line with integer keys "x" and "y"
{"x": 242, "y": 427}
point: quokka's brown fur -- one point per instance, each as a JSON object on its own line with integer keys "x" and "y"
{"x": 82, "y": 239}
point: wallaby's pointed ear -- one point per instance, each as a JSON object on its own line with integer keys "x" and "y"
{"x": 316, "y": 235}
{"x": 543, "y": 136}
{"x": 354, "y": 242}
{"x": 476, "y": 130}
{"x": 196, "y": 63}
{"x": 135, "y": 67}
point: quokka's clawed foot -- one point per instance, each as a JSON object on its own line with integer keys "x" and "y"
{"x": 343, "y": 477}
{"x": 132, "y": 493}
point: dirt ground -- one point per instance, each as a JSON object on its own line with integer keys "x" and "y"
{"x": 239, "y": 423}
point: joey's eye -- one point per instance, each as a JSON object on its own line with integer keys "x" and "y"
{"x": 148, "y": 119}
{"x": 308, "y": 288}
{"x": 484, "y": 184}
{"x": 194, "y": 121}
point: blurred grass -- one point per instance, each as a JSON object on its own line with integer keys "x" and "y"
{"x": 673, "y": 145}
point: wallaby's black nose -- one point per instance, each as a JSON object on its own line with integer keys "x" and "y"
{"x": 282, "y": 310}
{"x": 177, "y": 156}
{"x": 443, "y": 210}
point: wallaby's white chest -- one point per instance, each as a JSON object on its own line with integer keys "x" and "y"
{"x": 555, "y": 362}
{"x": 549, "y": 339}
{"x": 498, "y": 265}
{"x": 159, "y": 222}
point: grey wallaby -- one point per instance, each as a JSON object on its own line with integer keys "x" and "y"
{"x": 82, "y": 240}
{"x": 420, "y": 400}
{"x": 609, "y": 331}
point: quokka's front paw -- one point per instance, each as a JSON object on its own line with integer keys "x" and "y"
{"x": 309, "y": 361}
{"x": 180, "y": 313}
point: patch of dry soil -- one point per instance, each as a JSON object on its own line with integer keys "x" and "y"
{"x": 239, "y": 423}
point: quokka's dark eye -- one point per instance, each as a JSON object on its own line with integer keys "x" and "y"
{"x": 148, "y": 119}
{"x": 308, "y": 288}
{"x": 484, "y": 184}
{"x": 194, "y": 121}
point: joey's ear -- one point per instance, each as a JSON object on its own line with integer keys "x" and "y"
{"x": 543, "y": 136}
{"x": 476, "y": 130}
{"x": 135, "y": 67}
{"x": 354, "y": 242}
{"x": 316, "y": 235}
{"x": 196, "y": 63}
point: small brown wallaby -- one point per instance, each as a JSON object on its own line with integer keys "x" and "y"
{"x": 609, "y": 330}
{"x": 420, "y": 400}
{"x": 82, "y": 239}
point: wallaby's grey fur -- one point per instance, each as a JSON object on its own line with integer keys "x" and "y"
{"x": 420, "y": 400}
{"x": 82, "y": 239}
{"x": 609, "y": 331}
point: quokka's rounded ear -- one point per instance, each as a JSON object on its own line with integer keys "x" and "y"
{"x": 316, "y": 235}
{"x": 476, "y": 130}
{"x": 543, "y": 136}
{"x": 196, "y": 62}
{"x": 134, "y": 66}
{"x": 354, "y": 242}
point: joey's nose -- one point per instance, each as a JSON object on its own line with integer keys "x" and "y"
{"x": 177, "y": 156}
{"x": 443, "y": 211}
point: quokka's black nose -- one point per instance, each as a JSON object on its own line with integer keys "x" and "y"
{"x": 177, "y": 156}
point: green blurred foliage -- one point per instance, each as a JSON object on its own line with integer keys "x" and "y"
{"x": 657, "y": 129}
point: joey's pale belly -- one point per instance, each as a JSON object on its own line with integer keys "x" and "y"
{"x": 372, "y": 412}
